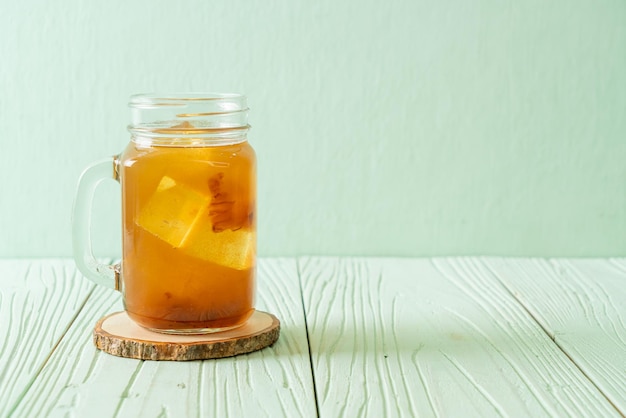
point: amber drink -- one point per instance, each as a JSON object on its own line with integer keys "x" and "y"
{"x": 188, "y": 181}
{"x": 189, "y": 235}
{"x": 188, "y": 208}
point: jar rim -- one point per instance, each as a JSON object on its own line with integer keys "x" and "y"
{"x": 189, "y": 118}
{"x": 181, "y": 99}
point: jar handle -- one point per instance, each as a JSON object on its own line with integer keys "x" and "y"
{"x": 103, "y": 274}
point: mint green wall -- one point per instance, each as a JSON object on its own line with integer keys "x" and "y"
{"x": 402, "y": 127}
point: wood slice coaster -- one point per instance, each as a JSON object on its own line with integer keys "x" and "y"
{"x": 117, "y": 334}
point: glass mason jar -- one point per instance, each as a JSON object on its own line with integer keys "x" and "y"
{"x": 188, "y": 180}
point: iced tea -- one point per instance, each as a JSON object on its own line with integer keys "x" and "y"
{"x": 189, "y": 235}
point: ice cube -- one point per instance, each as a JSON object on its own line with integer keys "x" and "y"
{"x": 172, "y": 211}
{"x": 234, "y": 249}
{"x": 179, "y": 215}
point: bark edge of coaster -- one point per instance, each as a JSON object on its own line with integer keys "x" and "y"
{"x": 118, "y": 335}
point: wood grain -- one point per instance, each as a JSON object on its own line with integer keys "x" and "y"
{"x": 39, "y": 299}
{"x": 581, "y": 305}
{"x": 118, "y": 335}
{"x": 79, "y": 380}
{"x": 389, "y": 337}
{"x": 442, "y": 337}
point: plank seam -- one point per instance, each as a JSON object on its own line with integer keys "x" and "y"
{"x": 52, "y": 350}
{"x": 552, "y": 338}
{"x": 308, "y": 337}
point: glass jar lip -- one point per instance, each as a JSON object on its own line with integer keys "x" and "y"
{"x": 236, "y": 101}
{"x": 194, "y": 118}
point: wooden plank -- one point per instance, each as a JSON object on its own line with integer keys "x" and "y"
{"x": 402, "y": 337}
{"x": 81, "y": 381}
{"x": 581, "y": 304}
{"x": 38, "y": 301}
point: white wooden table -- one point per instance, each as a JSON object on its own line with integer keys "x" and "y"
{"x": 443, "y": 337}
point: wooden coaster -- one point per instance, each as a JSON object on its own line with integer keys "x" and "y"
{"x": 117, "y": 334}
